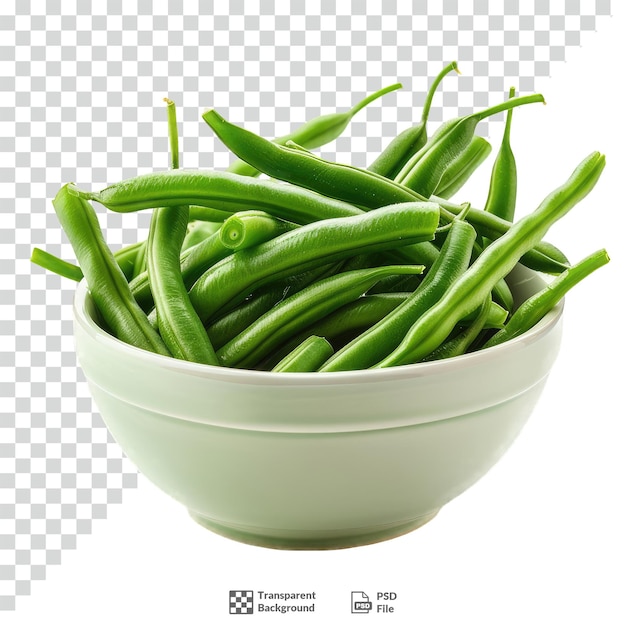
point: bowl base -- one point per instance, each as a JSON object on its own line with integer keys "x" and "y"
{"x": 312, "y": 540}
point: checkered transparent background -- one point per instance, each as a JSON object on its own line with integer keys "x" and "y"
{"x": 82, "y": 87}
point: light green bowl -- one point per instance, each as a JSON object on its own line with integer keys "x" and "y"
{"x": 315, "y": 461}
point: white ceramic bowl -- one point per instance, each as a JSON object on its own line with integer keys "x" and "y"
{"x": 311, "y": 461}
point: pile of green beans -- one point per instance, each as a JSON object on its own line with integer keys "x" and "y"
{"x": 287, "y": 262}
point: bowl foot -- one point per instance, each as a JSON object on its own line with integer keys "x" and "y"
{"x": 311, "y": 540}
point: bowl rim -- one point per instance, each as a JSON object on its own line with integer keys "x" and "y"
{"x": 238, "y": 375}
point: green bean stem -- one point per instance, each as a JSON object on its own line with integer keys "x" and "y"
{"x": 172, "y": 133}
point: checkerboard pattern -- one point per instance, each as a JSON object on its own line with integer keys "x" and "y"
{"x": 241, "y": 602}
{"x": 82, "y": 87}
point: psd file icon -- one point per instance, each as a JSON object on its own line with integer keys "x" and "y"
{"x": 360, "y": 602}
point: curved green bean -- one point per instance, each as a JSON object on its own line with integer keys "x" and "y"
{"x": 218, "y": 190}
{"x": 318, "y": 131}
{"x": 347, "y": 183}
{"x": 543, "y": 257}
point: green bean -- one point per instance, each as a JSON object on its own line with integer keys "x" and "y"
{"x": 306, "y": 357}
{"x": 497, "y": 260}
{"x": 461, "y": 342}
{"x": 178, "y": 324}
{"x": 503, "y": 184}
{"x": 139, "y": 266}
{"x": 543, "y": 257}
{"x": 245, "y": 229}
{"x": 107, "y": 284}
{"x": 408, "y": 142}
{"x": 300, "y": 310}
{"x": 382, "y": 338}
{"x": 288, "y": 202}
{"x": 318, "y": 131}
{"x": 218, "y": 190}
{"x": 125, "y": 258}
{"x": 501, "y": 292}
{"x": 208, "y": 214}
{"x": 197, "y": 231}
{"x": 458, "y": 172}
{"x": 424, "y": 170}
{"x": 496, "y": 316}
{"x": 350, "y": 184}
{"x": 327, "y": 241}
{"x": 54, "y": 264}
{"x": 538, "y": 305}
